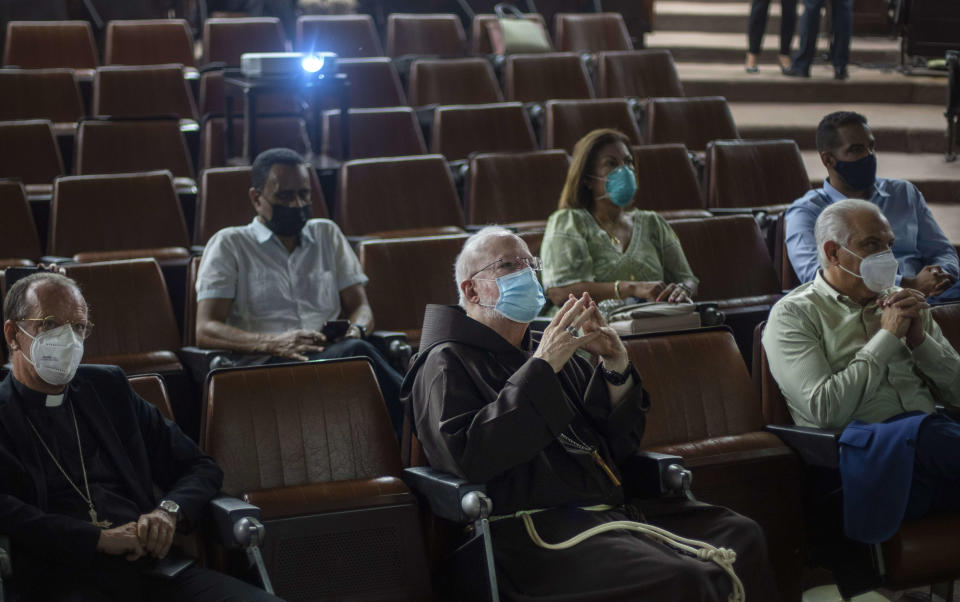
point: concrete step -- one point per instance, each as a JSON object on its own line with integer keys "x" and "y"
{"x": 898, "y": 128}
{"x": 769, "y": 86}
{"x": 938, "y": 180}
{"x": 698, "y": 47}
{"x": 716, "y": 17}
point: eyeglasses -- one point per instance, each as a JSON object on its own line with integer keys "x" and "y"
{"x": 83, "y": 328}
{"x": 508, "y": 265}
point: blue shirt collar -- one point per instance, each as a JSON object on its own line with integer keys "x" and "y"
{"x": 262, "y": 233}
{"x": 834, "y": 195}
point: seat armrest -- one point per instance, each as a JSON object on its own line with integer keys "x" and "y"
{"x": 56, "y": 259}
{"x": 394, "y": 346}
{"x": 200, "y": 361}
{"x": 648, "y": 474}
{"x": 444, "y": 492}
{"x": 227, "y": 513}
{"x": 710, "y": 314}
{"x": 816, "y": 447}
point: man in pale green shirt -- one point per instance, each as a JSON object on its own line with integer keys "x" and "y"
{"x": 840, "y": 351}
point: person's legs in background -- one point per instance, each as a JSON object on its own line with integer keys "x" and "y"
{"x": 842, "y": 17}
{"x": 809, "y": 28}
{"x": 755, "y": 29}
{"x": 788, "y": 25}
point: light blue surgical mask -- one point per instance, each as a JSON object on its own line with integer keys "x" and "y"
{"x": 621, "y": 185}
{"x": 521, "y": 296}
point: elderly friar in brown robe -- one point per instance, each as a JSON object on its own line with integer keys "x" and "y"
{"x": 545, "y": 430}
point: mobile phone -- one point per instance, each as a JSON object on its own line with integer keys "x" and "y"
{"x": 335, "y": 329}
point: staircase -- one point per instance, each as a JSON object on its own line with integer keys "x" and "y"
{"x": 708, "y": 39}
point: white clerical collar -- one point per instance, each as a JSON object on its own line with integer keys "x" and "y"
{"x": 54, "y": 401}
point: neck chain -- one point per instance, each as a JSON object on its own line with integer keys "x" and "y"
{"x": 577, "y": 443}
{"x": 103, "y": 524}
{"x": 613, "y": 238}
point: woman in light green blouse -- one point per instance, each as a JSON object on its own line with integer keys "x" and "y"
{"x": 596, "y": 242}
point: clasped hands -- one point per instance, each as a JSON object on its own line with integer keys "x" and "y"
{"x": 903, "y": 315}
{"x": 151, "y": 535}
{"x": 559, "y": 343}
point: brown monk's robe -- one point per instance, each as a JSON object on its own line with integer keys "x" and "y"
{"x": 491, "y": 413}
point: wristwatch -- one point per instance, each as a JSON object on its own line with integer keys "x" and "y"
{"x": 170, "y": 507}
{"x": 617, "y": 378}
{"x": 363, "y": 331}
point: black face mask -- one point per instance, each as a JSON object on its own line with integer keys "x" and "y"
{"x": 288, "y": 221}
{"x": 860, "y": 174}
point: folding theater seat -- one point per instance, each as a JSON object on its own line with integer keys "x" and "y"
{"x": 149, "y": 42}
{"x": 151, "y": 388}
{"x": 425, "y": 34}
{"x": 690, "y": 121}
{"x": 41, "y": 94}
{"x": 948, "y": 319}
{"x": 542, "y": 77}
{"x": 349, "y": 36}
{"x": 400, "y": 196}
{"x": 453, "y": 81}
{"x": 105, "y": 217}
{"x": 668, "y": 182}
{"x": 311, "y": 445}
{"x": 224, "y": 40}
{"x": 480, "y": 36}
{"x": 637, "y": 73}
{"x": 374, "y": 82}
{"x": 19, "y": 242}
{"x": 591, "y": 32}
{"x": 50, "y": 44}
{"x": 225, "y": 201}
{"x": 143, "y": 91}
{"x": 705, "y": 409}
{"x": 515, "y": 189}
{"x": 212, "y": 99}
{"x": 761, "y": 174}
{"x": 368, "y": 133}
{"x": 287, "y": 131}
{"x": 569, "y": 120}
{"x": 29, "y": 152}
{"x": 460, "y": 130}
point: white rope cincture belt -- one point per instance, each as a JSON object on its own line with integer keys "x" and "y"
{"x": 723, "y": 557}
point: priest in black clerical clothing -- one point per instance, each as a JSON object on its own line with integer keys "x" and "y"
{"x": 80, "y": 457}
{"x": 545, "y": 430}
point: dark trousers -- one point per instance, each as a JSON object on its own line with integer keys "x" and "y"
{"x": 388, "y": 378}
{"x": 194, "y": 584}
{"x": 936, "y": 472}
{"x": 758, "y": 24}
{"x": 842, "y": 13}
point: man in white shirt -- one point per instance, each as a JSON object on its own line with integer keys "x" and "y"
{"x": 852, "y": 351}
{"x": 268, "y": 288}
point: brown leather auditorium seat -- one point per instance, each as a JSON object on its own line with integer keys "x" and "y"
{"x": 591, "y": 32}
{"x": 463, "y": 129}
{"x": 50, "y": 44}
{"x": 224, "y": 40}
{"x": 105, "y": 217}
{"x": 388, "y": 132}
{"x": 374, "y": 82}
{"x": 135, "y": 326}
{"x": 414, "y": 195}
{"x": 730, "y": 258}
{"x": 637, "y": 73}
{"x": 149, "y": 42}
{"x": 570, "y": 120}
{"x": 668, "y": 182}
{"x": 948, "y": 318}
{"x": 425, "y": 34}
{"x": 690, "y": 121}
{"x": 518, "y": 189}
{"x": 143, "y": 91}
{"x": 289, "y": 132}
{"x": 452, "y": 82}
{"x": 224, "y": 200}
{"x": 705, "y": 408}
{"x": 311, "y": 445}
{"x": 151, "y": 388}
{"x": 391, "y": 263}
{"x": 19, "y": 242}
{"x": 349, "y": 36}
{"x": 211, "y": 98}
{"x": 480, "y": 36}
{"x": 755, "y": 173}
{"x": 30, "y": 153}
{"x": 41, "y": 94}
{"x": 136, "y": 145}
{"x": 541, "y": 77}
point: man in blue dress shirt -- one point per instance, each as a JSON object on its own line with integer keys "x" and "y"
{"x": 928, "y": 262}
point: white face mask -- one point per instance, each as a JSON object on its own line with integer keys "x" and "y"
{"x": 55, "y": 354}
{"x": 878, "y": 271}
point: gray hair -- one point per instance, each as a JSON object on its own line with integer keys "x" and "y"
{"x": 472, "y": 253}
{"x": 15, "y": 305}
{"x": 834, "y": 224}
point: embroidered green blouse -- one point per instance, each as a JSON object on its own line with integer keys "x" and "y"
{"x": 575, "y": 249}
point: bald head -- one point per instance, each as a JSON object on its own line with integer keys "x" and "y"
{"x": 22, "y": 299}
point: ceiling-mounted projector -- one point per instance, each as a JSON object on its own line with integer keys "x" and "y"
{"x": 287, "y": 64}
